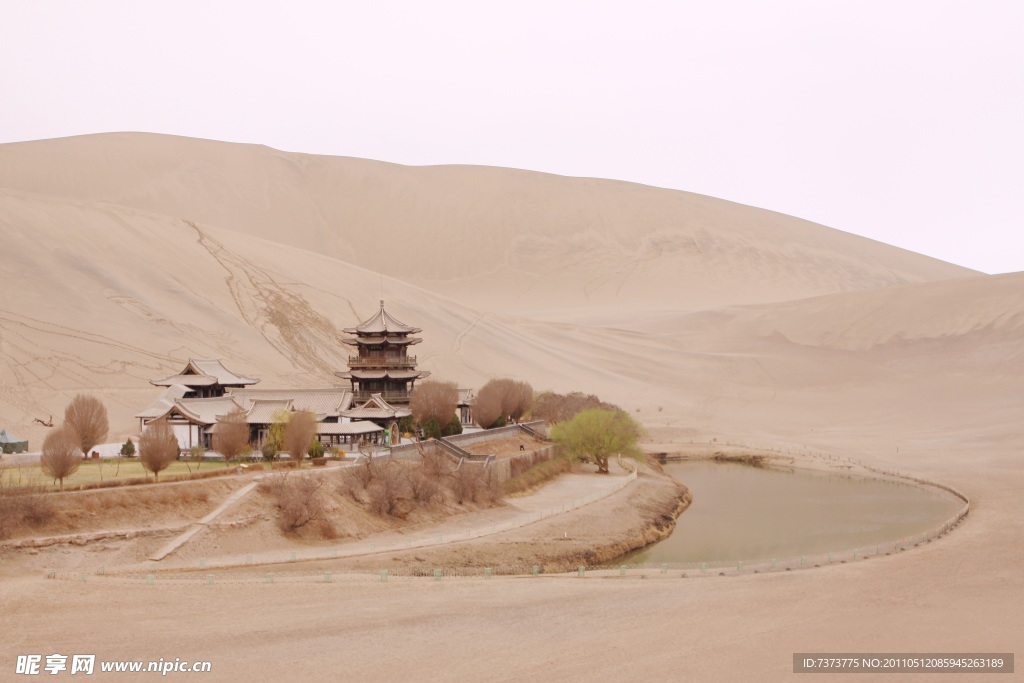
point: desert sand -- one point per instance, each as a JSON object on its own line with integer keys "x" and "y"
{"x": 124, "y": 254}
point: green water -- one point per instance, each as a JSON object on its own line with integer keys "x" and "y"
{"x": 741, "y": 512}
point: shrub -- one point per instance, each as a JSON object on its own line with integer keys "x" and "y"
{"x": 128, "y": 448}
{"x": 316, "y": 449}
{"x": 23, "y": 507}
{"x": 319, "y": 462}
{"x": 453, "y": 427}
{"x": 388, "y": 490}
{"x": 467, "y": 482}
{"x": 269, "y": 451}
{"x": 299, "y": 500}
{"x": 431, "y": 429}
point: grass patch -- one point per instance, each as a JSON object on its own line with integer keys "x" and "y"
{"x": 538, "y": 474}
{"x": 100, "y": 474}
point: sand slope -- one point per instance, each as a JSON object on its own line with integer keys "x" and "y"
{"x": 125, "y": 254}
{"x": 490, "y": 237}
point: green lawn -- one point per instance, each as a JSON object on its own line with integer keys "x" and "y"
{"x": 96, "y": 470}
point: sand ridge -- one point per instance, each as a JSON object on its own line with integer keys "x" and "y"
{"x": 705, "y": 320}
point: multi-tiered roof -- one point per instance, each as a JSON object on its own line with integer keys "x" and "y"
{"x": 382, "y": 367}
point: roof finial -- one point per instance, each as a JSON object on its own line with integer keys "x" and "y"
{"x": 382, "y": 304}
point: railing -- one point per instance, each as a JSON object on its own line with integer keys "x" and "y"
{"x": 389, "y": 396}
{"x": 381, "y": 361}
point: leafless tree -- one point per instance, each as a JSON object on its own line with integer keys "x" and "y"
{"x": 518, "y": 400}
{"x": 299, "y": 433}
{"x": 158, "y": 447}
{"x": 87, "y": 418}
{"x": 60, "y": 457}
{"x": 555, "y": 408}
{"x": 389, "y": 491}
{"x": 231, "y": 435}
{"x": 434, "y": 400}
{"x": 502, "y": 397}
{"x": 299, "y": 499}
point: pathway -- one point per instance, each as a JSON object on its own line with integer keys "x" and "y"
{"x": 568, "y": 492}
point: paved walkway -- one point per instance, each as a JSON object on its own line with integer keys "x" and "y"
{"x": 201, "y": 524}
{"x": 567, "y": 492}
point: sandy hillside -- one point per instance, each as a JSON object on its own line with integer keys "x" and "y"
{"x": 765, "y": 330}
{"x": 495, "y": 239}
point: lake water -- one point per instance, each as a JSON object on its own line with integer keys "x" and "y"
{"x": 740, "y": 512}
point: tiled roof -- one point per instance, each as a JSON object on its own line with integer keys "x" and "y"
{"x": 466, "y": 397}
{"x": 381, "y": 323}
{"x": 382, "y": 374}
{"x": 376, "y": 409}
{"x": 347, "y": 428}
{"x": 204, "y": 372}
{"x": 263, "y": 411}
{"x": 201, "y": 410}
{"x": 164, "y": 401}
{"x": 380, "y": 339}
{"x": 321, "y": 402}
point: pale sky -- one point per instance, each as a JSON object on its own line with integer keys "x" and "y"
{"x": 899, "y": 121}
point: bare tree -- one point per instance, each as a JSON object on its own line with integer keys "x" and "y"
{"x": 502, "y": 398}
{"x": 60, "y": 457}
{"x": 434, "y": 400}
{"x": 299, "y": 433}
{"x": 231, "y": 435}
{"x": 87, "y": 418}
{"x": 518, "y": 400}
{"x": 555, "y": 408}
{"x": 298, "y": 498}
{"x": 158, "y": 447}
{"x": 488, "y": 407}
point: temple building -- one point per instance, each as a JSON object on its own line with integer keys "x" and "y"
{"x": 382, "y": 367}
{"x": 204, "y": 378}
{"x": 381, "y": 373}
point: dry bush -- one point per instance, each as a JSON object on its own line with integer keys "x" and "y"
{"x": 554, "y": 408}
{"x": 389, "y": 491}
{"x": 60, "y": 458}
{"x": 231, "y": 435}
{"x": 299, "y": 433}
{"x": 492, "y": 488}
{"x": 434, "y": 400}
{"x": 23, "y": 507}
{"x": 299, "y": 500}
{"x": 434, "y": 463}
{"x": 350, "y": 483}
{"x": 426, "y": 488}
{"x": 467, "y": 482}
{"x": 87, "y": 418}
{"x": 158, "y": 447}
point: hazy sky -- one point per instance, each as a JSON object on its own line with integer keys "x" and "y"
{"x": 900, "y": 121}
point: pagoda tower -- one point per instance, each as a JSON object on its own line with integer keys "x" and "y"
{"x": 382, "y": 365}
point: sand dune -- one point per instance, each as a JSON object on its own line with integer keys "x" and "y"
{"x": 495, "y": 239}
{"x": 124, "y": 254}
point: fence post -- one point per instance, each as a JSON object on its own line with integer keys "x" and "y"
{"x": 581, "y": 571}
{"x": 327, "y": 577}
{"x": 487, "y": 572}
{"x": 384, "y": 575}
{"x": 437, "y": 575}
